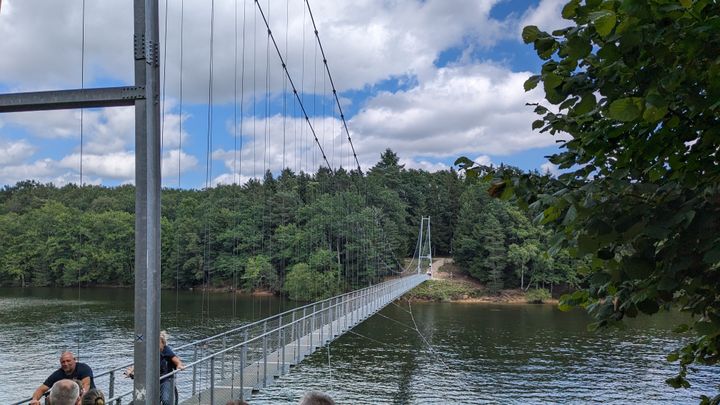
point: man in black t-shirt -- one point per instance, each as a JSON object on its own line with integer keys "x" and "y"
{"x": 69, "y": 369}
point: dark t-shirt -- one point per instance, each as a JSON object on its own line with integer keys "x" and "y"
{"x": 81, "y": 371}
{"x": 166, "y": 364}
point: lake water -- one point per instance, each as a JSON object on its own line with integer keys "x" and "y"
{"x": 464, "y": 354}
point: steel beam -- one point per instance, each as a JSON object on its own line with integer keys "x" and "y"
{"x": 68, "y": 99}
{"x": 147, "y": 204}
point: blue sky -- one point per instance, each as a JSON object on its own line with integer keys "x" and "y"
{"x": 432, "y": 80}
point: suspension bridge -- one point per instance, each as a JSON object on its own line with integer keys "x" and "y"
{"x": 239, "y": 362}
{"x": 235, "y": 363}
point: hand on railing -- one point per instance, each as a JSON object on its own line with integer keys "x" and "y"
{"x": 130, "y": 372}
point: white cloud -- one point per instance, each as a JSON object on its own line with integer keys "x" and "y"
{"x": 546, "y": 16}
{"x": 470, "y": 109}
{"x": 483, "y": 160}
{"x": 549, "y": 168}
{"x": 42, "y": 42}
{"x": 171, "y": 161}
{"x": 14, "y": 152}
{"x": 423, "y": 165}
{"x": 277, "y": 142}
{"x": 116, "y": 165}
{"x": 365, "y": 42}
{"x": 466, "y": 109}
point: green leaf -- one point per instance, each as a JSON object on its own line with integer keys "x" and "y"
{"x": 713, "y": 255}
{"x": 672, "y": 357}
{"x": 682, "y": 328}
{"x": 655, "y": 108}
{"x": 587, "y": 243}
{"x": 545, "y": 47}
{"x": 464, "y": 161}
{"x": 686, "y": 3}
{"x": 677, "y": 382}
{"x": 538, "y": 124}
{"x": 585, "y": 105}
{"x": 570, "y": 215}
{"x": 654, "y": 114}
{"x": 605, "y": 254}
{"x": 577, "y": 47}
{"x": 604, "y": 21}
{"x": 570, "y": 9}
{"x": 705, "y": 328}
{"x": 609, "y": 52}
{"x": 638, "y": 269}
{"x": 626, "y": 109}
{"x": 648, "y": 306}
{"x": 530, "y": 33}
{"x": 531, "y": 82}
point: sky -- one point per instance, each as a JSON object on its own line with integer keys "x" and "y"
{"x": 432, "y": 80}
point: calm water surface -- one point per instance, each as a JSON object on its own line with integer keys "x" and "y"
{"x": 467, "y": 354}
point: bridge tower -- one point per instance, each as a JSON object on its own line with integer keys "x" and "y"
{"x": 424, "y": 249}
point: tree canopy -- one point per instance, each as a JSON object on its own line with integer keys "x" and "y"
{"x": 634, "y": 93}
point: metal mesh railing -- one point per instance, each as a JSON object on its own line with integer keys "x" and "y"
{"x": 237, "y": 362}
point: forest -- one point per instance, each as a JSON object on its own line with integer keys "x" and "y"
{"x": 304, "y": 235}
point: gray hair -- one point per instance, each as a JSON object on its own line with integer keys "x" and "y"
{"x": 316, "y": 398}
{"x": 164, "y": 337}
{"x": 64, "y": 392}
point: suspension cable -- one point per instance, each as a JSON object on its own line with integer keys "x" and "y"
{"x": 82, "y": 126}
{"x": 332, "y": 83}
{"x": 177, "y": 236}
{"x": 208, "y": 169}
{"x": 292, "y": 84}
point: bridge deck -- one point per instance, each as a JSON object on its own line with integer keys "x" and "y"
{"x": 241, "y": 381}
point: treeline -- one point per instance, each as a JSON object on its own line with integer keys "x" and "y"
{"x": 498, "y": 243}
{"x": 308, "y": 235}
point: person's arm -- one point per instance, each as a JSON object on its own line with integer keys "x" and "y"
{"x": 130, "y": 372}
{"x": 178, "y": 363}
{"x": 85, "y": 374}
{"x": 39, "y": 392}
{"x": 85, "y": 384}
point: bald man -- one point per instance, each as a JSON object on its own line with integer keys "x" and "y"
{"x": 65, "y": 392}
{"x": 69, "y": 369}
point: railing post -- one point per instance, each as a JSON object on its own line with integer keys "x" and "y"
{"x": 243, "y": 355}
{"x": 111, "y": 388}
{"x": 194, "y": 382}
{"x": 292, "y": 330}
{"x": 352, "y": 308}
{"x": 297, "y": 326}
{"x": 264, "y": 354}
{"x": 321, "y": 341}
{"x": 222, "y": 360}
{"x": 281, "y": 331}
{"x": 212, "y": 380}
{"x": 304, "y": 319}
{"x": 346, "y": 302}
{"x": 312, "y": 328}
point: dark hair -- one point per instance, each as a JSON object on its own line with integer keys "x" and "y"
{"x": 93, "y": 397}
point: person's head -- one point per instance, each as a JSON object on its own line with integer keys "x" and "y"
{"x": 237, "y": 402}
{"x": 65, "y": 392}
{"x": 316, "y": 398}
{"x": 68, "y": 362}
{"x": 163, "y": 339}
{"x": 93, "y": 397}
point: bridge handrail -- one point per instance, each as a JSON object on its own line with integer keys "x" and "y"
{"x": 315, "y": 309}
